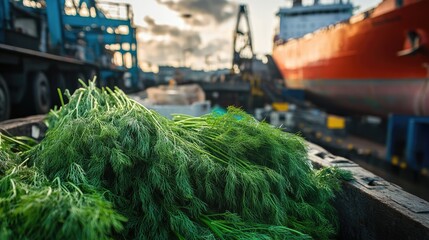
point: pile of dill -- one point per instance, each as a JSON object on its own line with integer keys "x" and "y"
{"x": 110, "y": 168}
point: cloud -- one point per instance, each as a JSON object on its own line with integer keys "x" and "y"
{"x": 202, "y": 12}
{"x": 213, "y": 47}
{"x": 160, "y": 52}
{"x": 160, "y": 29}
{"x": 171, "y": 45}
{"x": 165, "y": 52}
{"x": 173, "y": 34}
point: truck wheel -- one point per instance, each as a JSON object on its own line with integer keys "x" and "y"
{"x": 4, "y": 100}
{"x": 40, "y": 93}
{"x": 57, "y": 82}
{"x": 73, "y": 81}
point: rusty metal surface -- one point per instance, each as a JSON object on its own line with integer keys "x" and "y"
{"x": 371, "y": 208}
{"x": 32, "y": 126}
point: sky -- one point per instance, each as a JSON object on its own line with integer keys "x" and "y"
{"x": 199, "y": 33}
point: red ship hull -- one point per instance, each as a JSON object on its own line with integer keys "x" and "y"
{"x": 375, "y": 65}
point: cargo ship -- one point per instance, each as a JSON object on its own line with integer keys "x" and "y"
{"x": 375, "y": 62}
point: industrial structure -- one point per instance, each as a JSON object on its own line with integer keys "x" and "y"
{"x": 373, "y": 63}
{"x": 243, "y": 55}
{"x": 49, "y": 45}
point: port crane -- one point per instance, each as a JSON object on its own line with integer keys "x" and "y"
{"x": 47, "y": 45}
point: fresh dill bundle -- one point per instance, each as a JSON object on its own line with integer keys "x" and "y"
{"x": 210, "y": 177}
{"x": 266, "y": 176}
{"x": 32, "y": 207}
